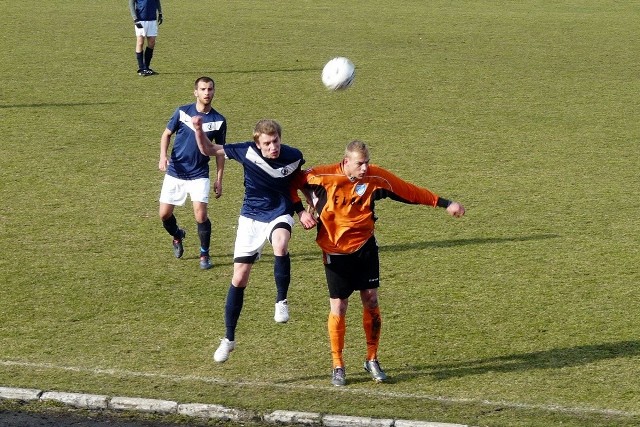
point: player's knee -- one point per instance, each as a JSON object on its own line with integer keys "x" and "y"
{"x": 369, "y": 298}
{"x": 165, "y": 213}
{"x": 279, "y": 238}
{"x": 240, "y": 279}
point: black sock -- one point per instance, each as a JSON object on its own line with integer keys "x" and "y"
{"x": 140, "y": 59}
{"x": 171, "y": 225}
{"x": 204, "y": 232}
{"x": 232, "y": 309}
{"x": 148, "y": 54}
{"x": 282, "y": 275}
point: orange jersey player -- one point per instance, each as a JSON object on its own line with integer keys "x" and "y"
{"x": 343, "y": 196}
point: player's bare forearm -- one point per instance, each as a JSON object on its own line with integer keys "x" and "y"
{"x": 165, "y": 140}
{"x": 220, "y": 167}
{"x": 217, "y": 185}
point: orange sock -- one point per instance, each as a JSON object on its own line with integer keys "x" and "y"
{"x": 337, "y": 327}
{"x": 372, "y": 323}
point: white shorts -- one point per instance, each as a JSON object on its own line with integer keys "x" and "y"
{"x": 252, "y": 235}
{"x": 174, "y": 190}
{"x": 149, "y": 29}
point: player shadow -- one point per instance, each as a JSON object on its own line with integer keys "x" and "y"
{"x": 226, "y": 260}
{"x": 556, "y": 358}
{"x": 254, "y": 71}
{"x": 57, "y": 104}
{"x": 464, "y": 242}
{"x": 355, "y": 375}
{"x": 305, "y": 255}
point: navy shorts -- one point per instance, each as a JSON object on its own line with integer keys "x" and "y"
{"x": 353, "y": 272}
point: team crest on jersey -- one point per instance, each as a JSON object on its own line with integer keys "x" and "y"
{"x": 360, "y": 189}
{"x": 286, "y": 171}
{"x": 211, "y": 126}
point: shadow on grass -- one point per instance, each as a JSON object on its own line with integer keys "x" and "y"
{"x": 57, "y": 104}
{"x": 439, "y": 244}
{"x": 257, "y": 71}
{"x": 226, "y": 260}
{"x": 548, "y": 359}
{"x": 465, "y": 242}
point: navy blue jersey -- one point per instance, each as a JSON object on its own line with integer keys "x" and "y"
{"x": 266, "y": 181}
{"x": 146, "y": 10}
{"x": 187, "y": 162}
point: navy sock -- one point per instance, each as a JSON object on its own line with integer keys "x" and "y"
{"x": 171, "y": 225}
{"x": 232, "y": 309}
{"x": 204, "y": 232}
{"x": 140, "y": 59}
{"x": 148, "y": 54}
{"x": 282, "y": 275}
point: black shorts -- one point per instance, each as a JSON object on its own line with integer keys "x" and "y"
{"x": 353, "y": 272}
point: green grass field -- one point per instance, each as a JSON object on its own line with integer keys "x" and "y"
{"x": 526, "y": 312}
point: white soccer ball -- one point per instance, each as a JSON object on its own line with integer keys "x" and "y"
{"x": 338, "y": 74}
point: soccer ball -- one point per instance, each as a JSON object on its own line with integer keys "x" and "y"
{"x": 338, "y": 74}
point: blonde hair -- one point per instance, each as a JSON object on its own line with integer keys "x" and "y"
{"x": 266, "y": 127}
{"x": 357, "y": 146}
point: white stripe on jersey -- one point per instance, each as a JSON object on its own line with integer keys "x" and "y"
{"x": 280, "y": 172}
{"x": 207, "y": 127}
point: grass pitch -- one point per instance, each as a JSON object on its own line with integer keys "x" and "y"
{"x": 523, "y": 313}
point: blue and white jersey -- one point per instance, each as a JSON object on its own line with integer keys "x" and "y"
{"x": 266, "y": 181}
{"x": 187, "y": 162}
{"x": 146, "y": 10}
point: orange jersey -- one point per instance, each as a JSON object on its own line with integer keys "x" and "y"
{"x": 346, "y": 208}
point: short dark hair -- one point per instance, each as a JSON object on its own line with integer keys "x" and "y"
{"x": 203, "y": 79}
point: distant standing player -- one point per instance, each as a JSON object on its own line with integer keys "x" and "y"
{"x": 266, "y": 215}
{"x": 147, "y": 16}
{"x": 187, "y": 173}
{"x": 343, "y": 196}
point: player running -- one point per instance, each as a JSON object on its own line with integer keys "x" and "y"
{"x": 266, "y": 215}
{"x": 343, "y": 196}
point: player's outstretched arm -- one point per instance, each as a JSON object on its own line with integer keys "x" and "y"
{"x": 205, "y": 146}
{"x": 455, "y": 209}
{"x": 217, "y": 185}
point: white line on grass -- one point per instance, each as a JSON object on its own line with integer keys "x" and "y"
{"x": 369, "y": 392}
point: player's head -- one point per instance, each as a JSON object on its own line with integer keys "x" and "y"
{"x": 356, "y": 160}
{"x": 204, "y": 79}
{"x": 267, "y": 134}
{"x": 204, "y": 89}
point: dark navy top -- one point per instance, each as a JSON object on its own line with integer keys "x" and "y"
{"x": 146, "y": 10}
{"x": 266, "y": 181}
{"x": 186, "y": 160}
